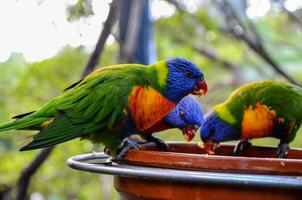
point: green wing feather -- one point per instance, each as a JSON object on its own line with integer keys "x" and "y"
{"x": 91, "y": 104}
{"x": 60, "y": 130}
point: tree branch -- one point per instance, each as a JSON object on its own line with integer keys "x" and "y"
{"x": 209, "y": 52}
{"x": 5, "y": 192}
{"x": 179, "y": 6}
{"x": 291, "y": 15}
{"x": 28, "y": 172}
{"x": 110, "y": 21}
{"x": 234, "y": 24}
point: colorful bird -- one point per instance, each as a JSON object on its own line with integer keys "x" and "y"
{"x": 186, "y": 116}
{"x": 104, "y": 100}
{"x": 255, "y": 110}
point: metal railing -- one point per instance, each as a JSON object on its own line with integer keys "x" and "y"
{"x": 101, "y": 163}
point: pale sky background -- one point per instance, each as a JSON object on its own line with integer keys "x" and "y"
{"x": 39, "y": 28}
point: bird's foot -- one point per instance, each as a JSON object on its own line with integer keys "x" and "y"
{"x": 282, "y": 150}
{"x": 127, "y": 144}
{"x": 241, "y": 146}
{"x": 161, "y": 145}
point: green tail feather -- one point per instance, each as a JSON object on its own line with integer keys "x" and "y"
{"x": 21, "y": 123}
{"x": 59, "y": 131}
{"x": 22, "y": 115}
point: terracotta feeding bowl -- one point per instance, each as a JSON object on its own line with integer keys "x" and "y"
{"x": 260, "y": 160}
{"x": 185, "y": 172}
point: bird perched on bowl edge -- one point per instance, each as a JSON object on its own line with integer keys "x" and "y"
{"x": 108, "y": 98}
{"x": 255, "y": 110}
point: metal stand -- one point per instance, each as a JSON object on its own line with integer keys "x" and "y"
{"x": 101, "y": 163}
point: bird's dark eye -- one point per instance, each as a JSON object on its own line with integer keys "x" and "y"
{"x": 212, "y": 131}
{"x": 189, "y": 74}
{"x": 182, "y": 115}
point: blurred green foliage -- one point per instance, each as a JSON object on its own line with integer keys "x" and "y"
{"x": 26, "y": 86}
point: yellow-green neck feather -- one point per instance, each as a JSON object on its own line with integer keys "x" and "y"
{"x": 224, "y": 113}
{"x": 162, "y": 72}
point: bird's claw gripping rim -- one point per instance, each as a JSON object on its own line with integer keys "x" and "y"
{"x": 161, "y": 145}
{"x": 127, "y": 144}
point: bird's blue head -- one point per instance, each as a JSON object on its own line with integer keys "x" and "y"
{"x": 214, "y": 130}
{"x": 184, "y": 77}
{"x": 187, "y": 116}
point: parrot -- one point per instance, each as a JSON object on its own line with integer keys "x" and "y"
{"x": 186, "y": 116}
{"x": 122, "y": 98}
{"x": 255, "y": 110}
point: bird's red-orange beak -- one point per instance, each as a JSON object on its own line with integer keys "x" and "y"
{"x": 201, "y": 88}
{"x": 210, "y": 147}
{"x": 189, "y": 133}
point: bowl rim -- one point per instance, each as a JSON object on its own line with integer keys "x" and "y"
{"x": 181, "y": 155}
{"x": 110, "y": 167}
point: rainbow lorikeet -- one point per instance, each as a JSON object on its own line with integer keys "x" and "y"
{"x": 186, "y": 116}
{"x": 109, "y": 98}
{"x": 255, "y": 110}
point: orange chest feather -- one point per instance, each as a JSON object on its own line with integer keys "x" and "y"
{"x": 257, "y": 122}
{"x": 148, "y": 107}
